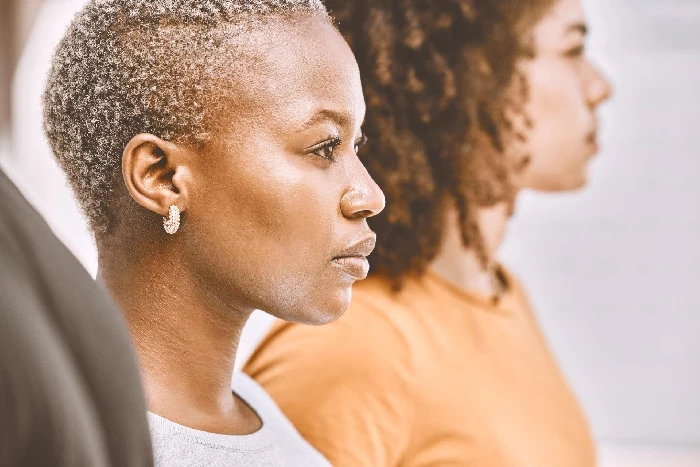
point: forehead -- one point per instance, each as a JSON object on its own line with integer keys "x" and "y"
{"x": 300, "y": 69}
{"x": 565, "y": 18}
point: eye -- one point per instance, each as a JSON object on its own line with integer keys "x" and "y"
{"x": 575, "y": 52}
{"x": 325, "y": 149}
{"x": 360, "y": 142}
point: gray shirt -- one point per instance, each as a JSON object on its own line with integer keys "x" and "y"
{"x": 276, "y": 444}
{"x": 70, "y": 389}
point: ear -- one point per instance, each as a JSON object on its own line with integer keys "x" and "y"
{"x": 156, "y": 173}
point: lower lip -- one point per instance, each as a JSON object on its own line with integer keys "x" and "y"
{"x": 355, "y": 266}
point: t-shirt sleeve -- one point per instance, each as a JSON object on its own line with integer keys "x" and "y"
{"x": 345, "y": 386}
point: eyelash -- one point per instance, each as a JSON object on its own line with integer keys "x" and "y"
{"x": 575, "y": 52}
{"x": 329, "y": 145}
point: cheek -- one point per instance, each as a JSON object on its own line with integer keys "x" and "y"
{"x": 281, "y": 207}
{"x": 267, "y": 229}
{"x": 555, "y": 102}
{"x": 560, "y": 121}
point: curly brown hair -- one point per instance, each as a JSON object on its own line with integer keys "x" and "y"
{"x": 437, "y": 78}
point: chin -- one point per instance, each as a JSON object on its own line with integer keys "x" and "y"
{"x": 561, "y": 183}
{"x": 323, "y": 309}
{"x": 576, "y": 182}
{"x": 580, "y": 185}
{"x": 569, "y": 186}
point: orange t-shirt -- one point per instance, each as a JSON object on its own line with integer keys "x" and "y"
{"x": 431, "y": 376}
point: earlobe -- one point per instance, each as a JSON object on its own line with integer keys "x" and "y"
{"x": 153, "y": 171}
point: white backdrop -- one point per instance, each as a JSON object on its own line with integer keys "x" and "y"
{"x": 613, "y": 271}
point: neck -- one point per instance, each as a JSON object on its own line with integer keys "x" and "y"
{"x": 461, "y": 265}
{"x": 186, "y": 339}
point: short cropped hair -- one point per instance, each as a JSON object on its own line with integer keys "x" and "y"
{"x": 127, "y": 67}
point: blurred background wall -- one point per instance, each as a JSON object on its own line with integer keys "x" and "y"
{"x": 613, "y": 271}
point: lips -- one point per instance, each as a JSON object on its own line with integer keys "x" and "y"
{"x": 354, "y": 266}
{"x": 592, "y": 136}
{"x": 592, "y": 141}
{"x": 353, "y": 258}
{"x": 360, "y": 248}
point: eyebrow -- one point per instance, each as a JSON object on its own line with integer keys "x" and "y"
{"x": 341, "y": 118}
{"x": 578, "y": 27}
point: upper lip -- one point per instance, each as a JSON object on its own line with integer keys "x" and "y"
{"x": 360, "y": 248}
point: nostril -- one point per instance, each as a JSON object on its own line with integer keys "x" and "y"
{"x": 365, "y": 213}
{"x": 362, "y": 203}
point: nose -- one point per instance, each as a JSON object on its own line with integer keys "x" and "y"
{"x": 599, "y": 87}
{"x": 363, "y": 198}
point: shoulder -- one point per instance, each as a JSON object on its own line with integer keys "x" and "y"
{"x": 512, "y": 280}
{"x": 16, "y": 215}
{"x": 58, "y": 334}
{"x": 256, "y": 397}
{"x": 370, "y": 339}
{"x": 262, "y": 403}
{"x": 18, "y": 219}
{"x": 29, "y": 248}
{"x": 276, "y": 423}
{"x": 518, "y": 297}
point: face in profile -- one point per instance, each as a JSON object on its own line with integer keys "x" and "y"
{"x": 277, "y": 200}
{"x": 564, "y": 92}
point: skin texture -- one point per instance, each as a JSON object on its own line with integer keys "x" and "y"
{"x": 565, "y": 90}
{"x": 265, "y": 216}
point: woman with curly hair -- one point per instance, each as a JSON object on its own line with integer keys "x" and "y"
{"x": 440, "y": 360}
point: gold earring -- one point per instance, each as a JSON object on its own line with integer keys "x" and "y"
{"x": 172, "y": 222}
